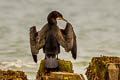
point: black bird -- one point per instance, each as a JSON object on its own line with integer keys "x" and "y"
{"x": 50, "y": 37}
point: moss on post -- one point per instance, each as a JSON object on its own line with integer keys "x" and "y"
{"x": 98, "y": 67}
{"x": 12, "y": 75}
{"x": 65, "y": 66}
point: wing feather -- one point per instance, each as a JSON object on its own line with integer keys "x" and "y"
{"x": 33, "y": 35}
{"x": 70, "y": 39}
{"x": 37, "y": 41}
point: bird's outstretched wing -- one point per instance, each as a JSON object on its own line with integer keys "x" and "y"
{"x": 37, "y": 41}
{"x": 70, "y": 39}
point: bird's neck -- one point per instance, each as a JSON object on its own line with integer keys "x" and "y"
{"x": 52, "y": 21}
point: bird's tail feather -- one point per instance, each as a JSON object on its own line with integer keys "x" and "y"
{"x": 51, "y": 62}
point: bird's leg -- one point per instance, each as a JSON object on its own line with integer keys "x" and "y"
{"x": 45, "y": 56}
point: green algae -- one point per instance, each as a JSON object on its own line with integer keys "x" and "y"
{"x": 12, "y": 75}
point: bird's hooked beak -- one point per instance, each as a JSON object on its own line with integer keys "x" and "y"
{"x": 60, "y": 18}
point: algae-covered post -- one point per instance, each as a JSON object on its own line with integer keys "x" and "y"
{"x": 104, "y": 68}
{"x": 63, "y": 72}
{"x": 12, "y": 75}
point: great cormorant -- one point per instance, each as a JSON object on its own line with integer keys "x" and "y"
{"x": 50, "y": 37}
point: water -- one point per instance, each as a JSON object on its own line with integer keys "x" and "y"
{"x": 96, "y": 24}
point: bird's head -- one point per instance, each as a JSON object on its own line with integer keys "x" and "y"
{"x": 55, "y": 15}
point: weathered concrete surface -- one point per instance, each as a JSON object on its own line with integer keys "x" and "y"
{"x": 12, "y": 75}
{"x": 63, "y": 72}
{"x": 102, "y": 68}
{"x": 113, "y": 71}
